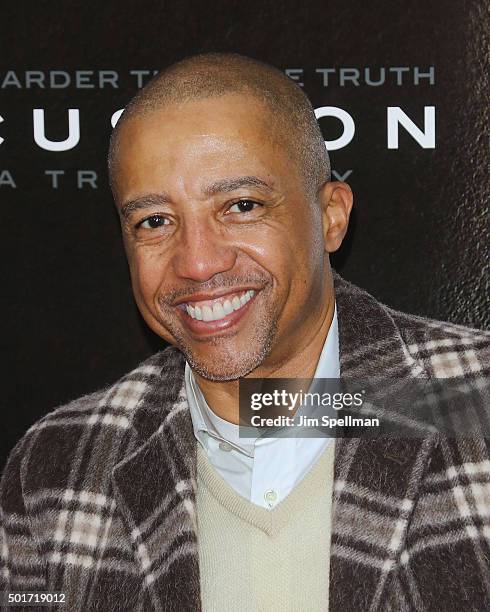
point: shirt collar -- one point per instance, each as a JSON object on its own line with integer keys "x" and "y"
{"x": 206, "y": 422}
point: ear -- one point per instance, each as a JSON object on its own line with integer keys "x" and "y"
{"x": 336, "y": 200}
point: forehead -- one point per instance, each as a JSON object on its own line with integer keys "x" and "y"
{"x": 198, "y": 141}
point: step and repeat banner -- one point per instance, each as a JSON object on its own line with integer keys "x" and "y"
{"x": 401, "y": 93}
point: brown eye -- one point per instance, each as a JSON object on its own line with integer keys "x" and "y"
{"x": 243, "y": 206}
{"x": 153, "y": 222}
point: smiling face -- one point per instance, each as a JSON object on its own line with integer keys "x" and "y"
{"x": 225, "y": 249}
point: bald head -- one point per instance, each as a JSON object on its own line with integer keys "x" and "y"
{"x": 290, "y": 115}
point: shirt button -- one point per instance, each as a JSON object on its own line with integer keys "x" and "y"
{"x": 270, "y": 497}
{"x": 224, "y": 446}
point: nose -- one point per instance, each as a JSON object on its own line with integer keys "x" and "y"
{"x": 202, "y": 250}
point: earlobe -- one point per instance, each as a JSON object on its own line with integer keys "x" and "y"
{"x": 337, "y": 200}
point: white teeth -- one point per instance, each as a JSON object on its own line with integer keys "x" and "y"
{"x": 207, "y": 314}
{"x": 227, "y": 307}
{"x": 219, "y": 310}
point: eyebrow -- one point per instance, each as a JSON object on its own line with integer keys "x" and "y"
{"x": 146, "y": 201}
{"x": 227, "y": 185}
{"x": 222, "y": 186}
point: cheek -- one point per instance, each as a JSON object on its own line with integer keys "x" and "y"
{"x": 147, "y": 272}
{"x": 291, "y": 247}
{"x": 297, "y": 259}
{"x": 287, "y": 255}
{"x": 272, "y": 247}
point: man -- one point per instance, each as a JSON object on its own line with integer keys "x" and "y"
{"x": 143, "y": 496}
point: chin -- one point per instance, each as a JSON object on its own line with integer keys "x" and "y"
{"x": 222, "y": 369}
{"x": 224, "y": 365}
{"x": 229, "y": 357}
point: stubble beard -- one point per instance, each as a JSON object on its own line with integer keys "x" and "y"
{"x": 230, "y": 365}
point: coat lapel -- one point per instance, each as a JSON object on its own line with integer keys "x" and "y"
{"x": 155, "y": 488}
{"x": 376, "y": 481}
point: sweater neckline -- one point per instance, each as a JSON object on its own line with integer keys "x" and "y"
{"x": 273, "y": 520}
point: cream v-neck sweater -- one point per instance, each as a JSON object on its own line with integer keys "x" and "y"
{"x": 256, "y": 560}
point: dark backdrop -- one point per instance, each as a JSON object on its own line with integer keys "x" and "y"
{"x": 419, "y": 235}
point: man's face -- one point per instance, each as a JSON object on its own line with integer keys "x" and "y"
{"x": 225, "y": 249}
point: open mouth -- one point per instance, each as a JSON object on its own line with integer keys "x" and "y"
{"x": 219, "y": 308}
{"x": 208, "y": 315}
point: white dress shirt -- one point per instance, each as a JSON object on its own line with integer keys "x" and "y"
{"x": 263, "y": 470}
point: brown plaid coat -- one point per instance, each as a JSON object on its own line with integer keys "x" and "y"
{"x": 98, "y": 497}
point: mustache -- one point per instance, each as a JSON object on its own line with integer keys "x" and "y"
{"x": 217, "y": 282}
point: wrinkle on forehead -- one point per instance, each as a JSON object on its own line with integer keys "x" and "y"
{"x": 203, "y": 140}
{"x": 290, "y": 122}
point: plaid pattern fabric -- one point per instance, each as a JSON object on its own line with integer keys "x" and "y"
{"x": 98, "y": 497}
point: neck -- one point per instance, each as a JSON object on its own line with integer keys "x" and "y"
{"x": 222, "y": 397}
